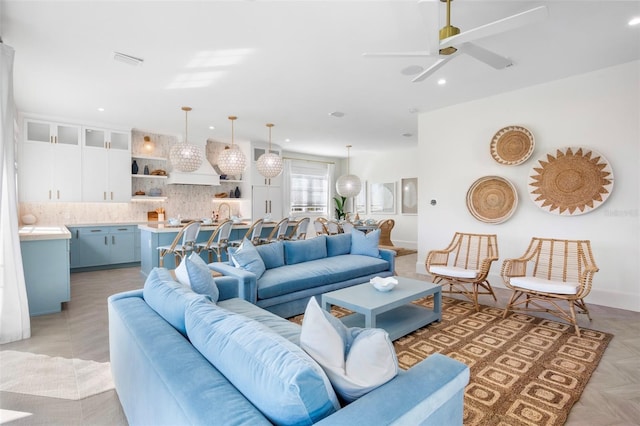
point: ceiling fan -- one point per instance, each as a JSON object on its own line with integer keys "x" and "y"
{"x": 452, "y": 42}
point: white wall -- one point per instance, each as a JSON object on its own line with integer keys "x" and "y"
{"x": 599, "y": 110}
{"x": 391, "y": 166}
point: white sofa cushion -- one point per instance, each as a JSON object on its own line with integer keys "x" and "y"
{"x": 453, "y": 271}
{"x": 548, "y": 286}
{"x": 356, "y": 360}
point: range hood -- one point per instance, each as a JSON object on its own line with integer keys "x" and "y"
{"x": 205, "y": 175}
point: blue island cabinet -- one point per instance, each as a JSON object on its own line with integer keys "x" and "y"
{"x": 46, "y": 274}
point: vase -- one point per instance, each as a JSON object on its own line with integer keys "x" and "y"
{"x": 134, "y": 168}
{"x": 237, "y": 193}
{"x": 146, "y": 170}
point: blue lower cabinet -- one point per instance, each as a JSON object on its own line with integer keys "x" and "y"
{"x": 46, "y": 274}
{"x": 103, "y": 245}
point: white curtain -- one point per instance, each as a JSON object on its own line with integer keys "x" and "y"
{"x": 14, "y": 309}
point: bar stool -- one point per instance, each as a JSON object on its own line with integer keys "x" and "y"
{"x": 218, "y": 241}
{"x": 183, "y": 244}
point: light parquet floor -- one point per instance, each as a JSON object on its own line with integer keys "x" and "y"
{"x": 612, "y": 396}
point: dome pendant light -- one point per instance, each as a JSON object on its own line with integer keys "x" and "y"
{"x": 232, "y": 161}
{"x": 269, "y": 164}
{"x": 348, "y": 185}
{"x": 184, "y": 156}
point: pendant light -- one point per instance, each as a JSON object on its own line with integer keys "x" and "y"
{"x": 184, "y": 156}
{"x": 231, "y": 161}
{"x": 348, "y": 185}
{"x": 269, "y": 164}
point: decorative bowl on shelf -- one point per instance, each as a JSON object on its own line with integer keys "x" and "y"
{"x": 383, "y": 284}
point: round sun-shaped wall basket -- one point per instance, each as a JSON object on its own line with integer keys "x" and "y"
{"x": 512, "y": 145}
{"x": 571, "y": 181}
{"x": 492, "y": 199}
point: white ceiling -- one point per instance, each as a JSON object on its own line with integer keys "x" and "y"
{"x": 289, "y": 62}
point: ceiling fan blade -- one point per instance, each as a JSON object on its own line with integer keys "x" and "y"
{"x": 397, "y": 54}
{"x": 433, "y": 68}
{"x": 483, "y": 55}
{"x": 502, "y": 25}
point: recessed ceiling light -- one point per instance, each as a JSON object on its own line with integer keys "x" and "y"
{"x": 101, "y": 109}
{"x": 127, "y": 59}
{"x": 337, "y": 114}
{"x": 413, "y": 110}
{"x": 634, "y": 21}
{"x": 287, "y": 140}
{"x": 442, "y": 82}
{"x": 212, "y": 127}
{"x": 407, "y": 135}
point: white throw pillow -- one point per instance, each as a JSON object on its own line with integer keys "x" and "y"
{"x": 356, "y": 360}
{"x": 193, "y": 272}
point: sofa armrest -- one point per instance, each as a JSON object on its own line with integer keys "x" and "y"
{"x": 429, "y": 393}
{"x": 389, "y": 256}
{"x": 247, "y": 282}
{"x": 228, "y": 287}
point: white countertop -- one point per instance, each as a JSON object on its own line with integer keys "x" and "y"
{"x": 36, "y": 232}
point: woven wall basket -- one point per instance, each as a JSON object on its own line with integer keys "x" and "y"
{"x": 570, "y": 181}
{"x": 492, "y": 199}
{"x": 512, "y": 145}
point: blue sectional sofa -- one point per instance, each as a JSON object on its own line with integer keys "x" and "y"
{"x": 169, "y": 346}
{"x": 297, "y": 270}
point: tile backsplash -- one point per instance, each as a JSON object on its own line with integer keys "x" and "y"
{"x": 186, "y": 201}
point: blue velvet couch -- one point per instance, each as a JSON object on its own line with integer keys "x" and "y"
{"x": 163, "y": 379}
{"x": 298, "y": 270}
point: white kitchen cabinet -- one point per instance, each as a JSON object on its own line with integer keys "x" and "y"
{"x": 266, "y": 201}
{"x": 50, "y": 162}
{"x": 106, "y": 165}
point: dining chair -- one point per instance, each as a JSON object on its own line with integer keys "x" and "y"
{"x": 464, "y": 265}
{"x": 552, "y": 276}
{"x": 218, "y": 241}
{"x": 299, "y": 231}
{"x": 385, "y": 226}
{"x": 320, "y": 227}
{"x": 183, "y": 243}
{"x": 333, "y": 228}
{"x": 346, "y": 227}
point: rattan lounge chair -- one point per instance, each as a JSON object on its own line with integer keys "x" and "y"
{"x": 549, "y": 275}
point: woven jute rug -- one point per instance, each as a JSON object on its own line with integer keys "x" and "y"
{"x": 525, "y": 370}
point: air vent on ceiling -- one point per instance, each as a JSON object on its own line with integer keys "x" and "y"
{"x": 127, "y": 59}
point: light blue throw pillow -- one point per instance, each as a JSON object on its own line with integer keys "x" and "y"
{"x": 200, "y": 278}
{"x": 272, "y": 254}
{"x": 365, "y": 244}
{"x": 168, "y": 297}
{"x": 338, "y": 244}
{"x": 274, "y": 374}
{"x": 247, "y": 257}
{"x": 305, "y": 250}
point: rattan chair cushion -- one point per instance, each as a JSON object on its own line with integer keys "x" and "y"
{"x": 453, "y": 271}
{"x": 547, "y": 286}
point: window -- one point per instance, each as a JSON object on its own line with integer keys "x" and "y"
{"x": 309, "y": 183}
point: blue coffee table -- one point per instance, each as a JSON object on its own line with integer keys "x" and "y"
{"x": 392, "y": 310}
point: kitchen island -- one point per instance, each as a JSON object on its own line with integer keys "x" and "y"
{"x": 45, "y": 259}
{"x": 153, "y": 235}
